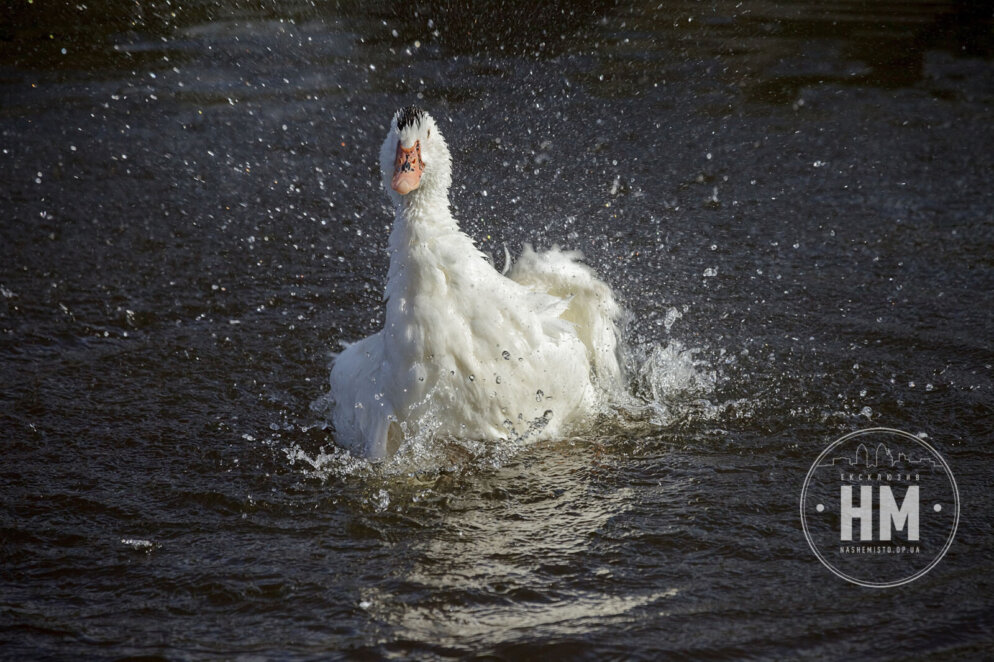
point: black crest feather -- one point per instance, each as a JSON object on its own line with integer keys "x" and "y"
{"x": 408, "y": 116}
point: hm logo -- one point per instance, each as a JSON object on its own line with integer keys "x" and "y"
{"x": 891, "y": 516}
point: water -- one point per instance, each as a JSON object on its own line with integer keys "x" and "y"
{"x": 792, "y": 199}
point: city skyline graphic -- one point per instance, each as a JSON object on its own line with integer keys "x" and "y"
{"x": 882, "y": 458}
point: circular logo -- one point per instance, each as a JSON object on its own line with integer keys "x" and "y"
{"x": 880, "y": 507}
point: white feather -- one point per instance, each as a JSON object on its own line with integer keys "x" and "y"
{"x": 481, "y": 355}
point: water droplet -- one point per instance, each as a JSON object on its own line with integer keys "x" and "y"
{"x": 539, "y": 394}
{"x": 381, "y": 501}
{"x": 506, "y": 354}
{"x": 672, "y": 315}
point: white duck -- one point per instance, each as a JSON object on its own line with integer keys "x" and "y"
{"x": 466, "y": 351}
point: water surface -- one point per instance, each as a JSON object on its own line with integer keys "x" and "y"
{"x": 793, "y": 200}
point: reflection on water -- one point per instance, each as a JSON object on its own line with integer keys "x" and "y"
{"x": 509, "y": 549}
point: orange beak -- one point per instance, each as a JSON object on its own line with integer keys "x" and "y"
{"x": 408, "y": 168}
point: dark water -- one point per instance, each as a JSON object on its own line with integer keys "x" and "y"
{"x": 793, "y": 200}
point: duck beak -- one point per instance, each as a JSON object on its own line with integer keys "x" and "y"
{"x": 408, "y": 168}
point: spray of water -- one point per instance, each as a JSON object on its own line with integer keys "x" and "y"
{"x": 667, "y": 383}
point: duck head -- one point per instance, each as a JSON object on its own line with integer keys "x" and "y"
{"x": 414, "y": 159}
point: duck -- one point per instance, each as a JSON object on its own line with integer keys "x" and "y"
{"x": 467, "y": 351}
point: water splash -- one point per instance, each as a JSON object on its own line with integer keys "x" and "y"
{"x": 324, "y": 465}
{"x": 667, "y": 383}
{"x": 670, "y": 377}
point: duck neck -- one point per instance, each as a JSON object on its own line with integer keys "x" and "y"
{"x": 415, "y": 258}
{"x": 417, "y": 218}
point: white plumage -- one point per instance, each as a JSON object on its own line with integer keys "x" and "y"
{"x": 465, "y": 350}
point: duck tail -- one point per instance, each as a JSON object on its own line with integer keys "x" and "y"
{"x": 592, "y": 308}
